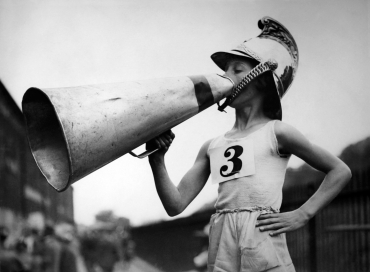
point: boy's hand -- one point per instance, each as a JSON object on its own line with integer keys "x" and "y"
{"x": 277, "y": 223}
{"x": 163, "y": 142}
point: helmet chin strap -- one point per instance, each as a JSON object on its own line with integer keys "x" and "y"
{"x": 261, "y": 68}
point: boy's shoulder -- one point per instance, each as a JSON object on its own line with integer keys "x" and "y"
{"x": 288, "y": 136}
{"x": 207, "y": 144}
{"x": 283, "y": 129}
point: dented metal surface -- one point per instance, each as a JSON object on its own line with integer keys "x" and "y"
{"x": 75, "y": 131}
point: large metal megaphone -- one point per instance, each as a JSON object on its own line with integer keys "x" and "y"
{"x": 75, "y": 131}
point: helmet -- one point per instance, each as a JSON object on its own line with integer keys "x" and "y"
{"x": 273, "y": 43}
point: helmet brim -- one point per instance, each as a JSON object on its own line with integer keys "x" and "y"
{"x": 221, "y": 59}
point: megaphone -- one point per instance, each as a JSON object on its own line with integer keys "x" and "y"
{"x": 74, "y": 131}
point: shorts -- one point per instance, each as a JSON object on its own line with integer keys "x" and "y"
{"x": 235, "y": 244}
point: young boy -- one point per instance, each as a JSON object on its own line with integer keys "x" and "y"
{"x": 249, "y": 162}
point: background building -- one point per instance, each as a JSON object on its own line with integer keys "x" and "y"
{"x": 24, "y": 192}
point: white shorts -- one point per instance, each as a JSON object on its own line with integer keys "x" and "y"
{"x": 235, "y": 244}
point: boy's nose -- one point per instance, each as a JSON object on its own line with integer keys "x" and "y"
{"x": 233, "y": 77}
{"x": 229, "y": 74}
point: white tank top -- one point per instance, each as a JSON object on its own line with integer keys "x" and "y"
{"x": 264, "y": 186}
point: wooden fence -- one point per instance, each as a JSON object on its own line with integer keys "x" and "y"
{"x": 338, "y": 238}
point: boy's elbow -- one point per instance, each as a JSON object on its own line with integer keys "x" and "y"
{"x": 174, "y": 211}
{"x": 346, "y": 172}
{"x": 349, "y": 173}
{"x": 172, "y": 214}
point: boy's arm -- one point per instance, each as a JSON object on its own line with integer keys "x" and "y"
{"x": 291, "y": 141}
{"x": 176, "y": 198}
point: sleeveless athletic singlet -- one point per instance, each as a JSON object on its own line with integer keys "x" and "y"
{"x": 264, "y": 187}
{"x": 250, "y": 172}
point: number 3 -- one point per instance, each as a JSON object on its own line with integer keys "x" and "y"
{"x": 237, "y": 163}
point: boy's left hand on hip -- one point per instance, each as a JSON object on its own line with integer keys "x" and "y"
{"x": 277, "y": 223}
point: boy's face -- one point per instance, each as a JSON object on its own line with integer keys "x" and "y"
{"x": 237, "y": 69}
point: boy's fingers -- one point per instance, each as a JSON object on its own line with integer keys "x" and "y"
{"x": 170, "y": 134}
{"x": 168, "y": 138}
{"x": 167, "y": 135}
{"x": 277, "y": 232}
{"x": 271, "y": 227}
{"x": 161, "y": 142}
{"x": 268, "y": 215}
{"x": 267, "y": 222}
{"x": 165, "y": 141}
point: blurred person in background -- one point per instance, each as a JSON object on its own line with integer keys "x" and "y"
{"x": 32, "y": 234}
{"x": 107, "y": 245}
{"x": 52, "y": 249}
{"x": 200, "y": 261}
{"x": 20, "y": 248}
{"x": 9, "y": 261}
{"x": 69, "y": 255}
{"x": 99, "y": 247}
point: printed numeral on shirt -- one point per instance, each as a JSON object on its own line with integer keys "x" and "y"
{"x": 234, "y": 158}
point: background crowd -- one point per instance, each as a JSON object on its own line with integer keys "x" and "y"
{"x": 105, "y": 246}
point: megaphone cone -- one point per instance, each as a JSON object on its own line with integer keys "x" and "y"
{"x": 76, "y": 130}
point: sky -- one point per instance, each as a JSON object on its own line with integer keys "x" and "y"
{"x": 58, "y": 43}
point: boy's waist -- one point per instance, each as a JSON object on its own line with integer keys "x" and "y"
{"x": 256, "y": 208}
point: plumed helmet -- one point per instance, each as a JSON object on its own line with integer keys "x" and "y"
{"x": 273, "y": 43}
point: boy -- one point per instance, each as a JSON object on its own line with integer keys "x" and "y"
{"x": 249, "y": 162}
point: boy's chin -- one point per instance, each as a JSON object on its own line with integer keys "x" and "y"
{"x": 239, "y": 102}
{"x": 236, "y": 105}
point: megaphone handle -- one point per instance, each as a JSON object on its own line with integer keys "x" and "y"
{"x": 144, "y": 154}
